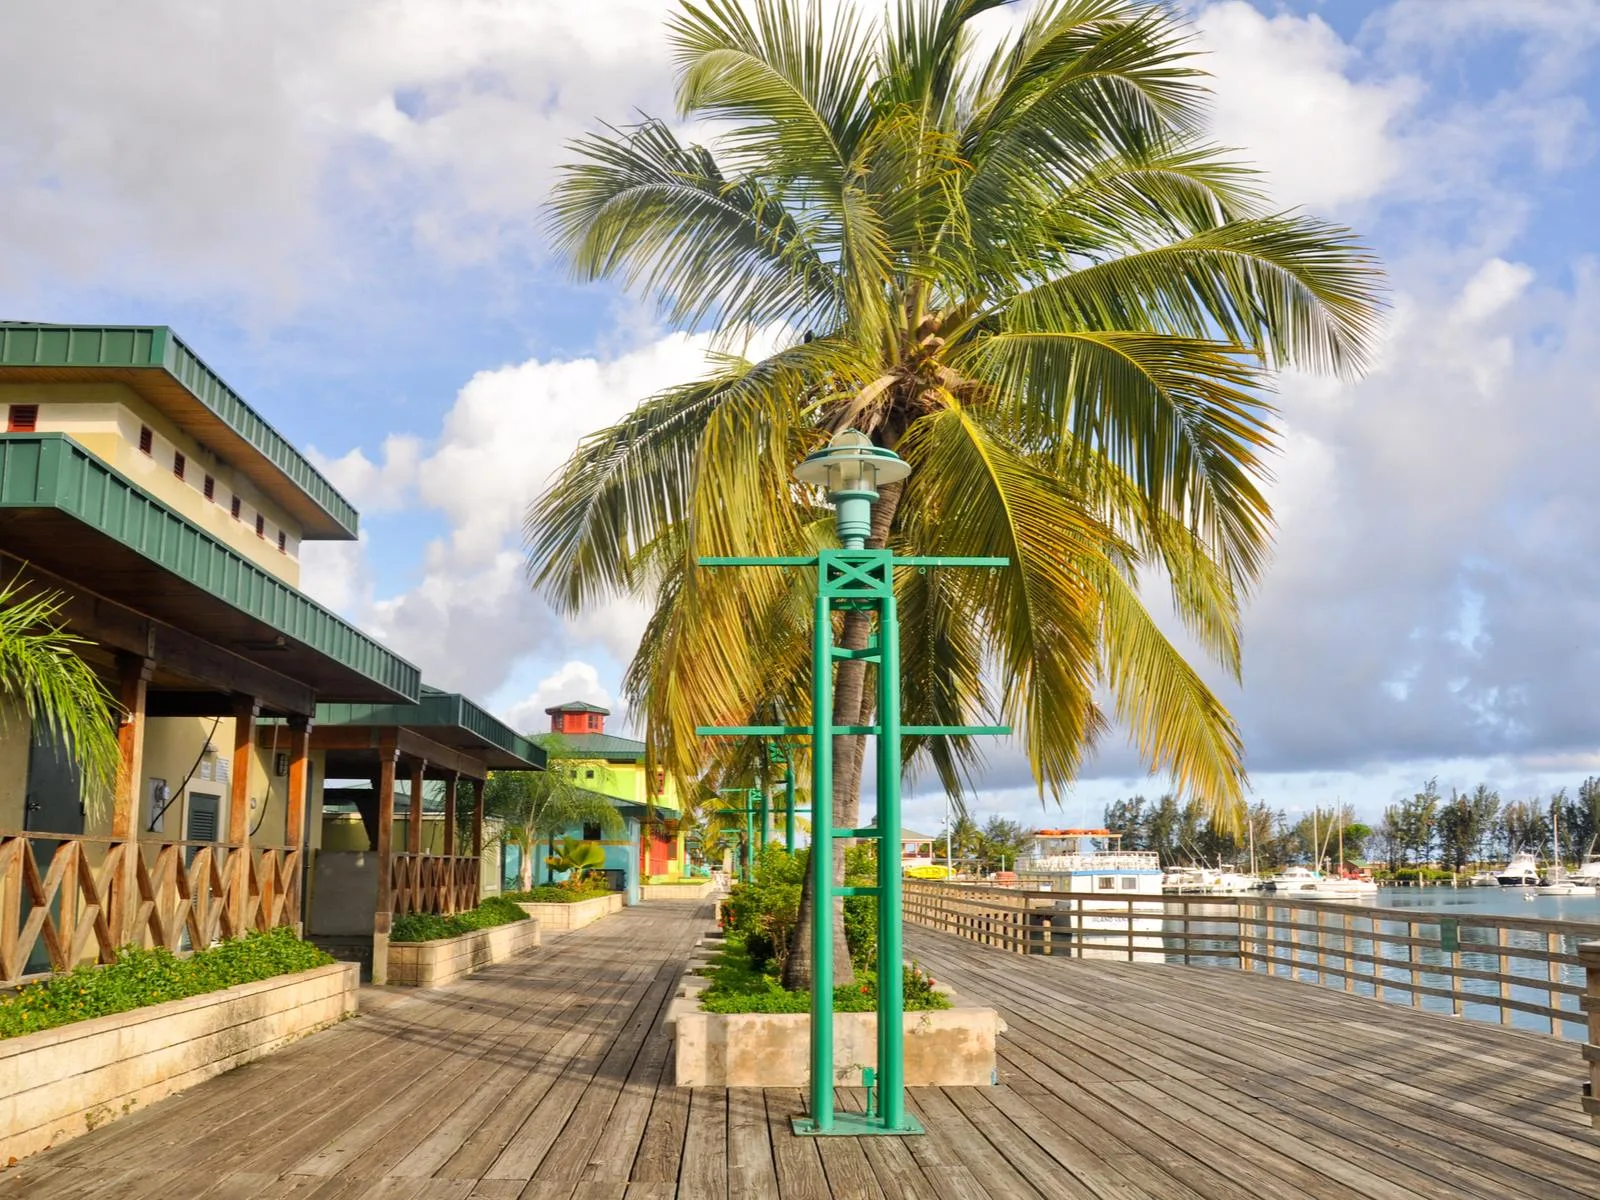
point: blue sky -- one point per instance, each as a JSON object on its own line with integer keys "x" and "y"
{"x": 337, "y": 204}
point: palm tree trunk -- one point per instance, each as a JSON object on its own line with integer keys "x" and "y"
{"x": 850, "y": 703}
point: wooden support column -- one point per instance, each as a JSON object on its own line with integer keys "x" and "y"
{"x": 414, "y": 822}
{"x": 133, "y": 678}
{"x": 382, "y": 918}
{"x": 477, "y": 838}
{"x": 294, "y": 820}
{"x": 450, "y": 781}
{"x": 245, "y": 712}
{"x": 452, "y": 901}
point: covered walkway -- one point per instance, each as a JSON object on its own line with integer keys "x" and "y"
{"x": 550, "y": 1079}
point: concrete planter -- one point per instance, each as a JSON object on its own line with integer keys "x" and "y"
{"x": 433, "y": 964}
{"x": 60, "y": 1083}
{"x": 954, "y": 1047}
{"x": 699, "y": 890}
{"x": 562, "y": 918}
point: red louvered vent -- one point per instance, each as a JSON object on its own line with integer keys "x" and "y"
{"x": 261, "y": 526}
{"x": 146, "y": 439}
{"x": 210, "y": 488}
{"x": 23, "y": 418}
{"x": 233, "y": 508}
{"x": 283, "y": 542}
{"x": 178, "y": 465}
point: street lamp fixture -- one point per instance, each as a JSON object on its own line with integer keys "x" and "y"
{"x": 852, "y": 469}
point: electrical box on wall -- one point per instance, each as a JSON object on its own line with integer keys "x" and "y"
{"x": 280, "y": 764}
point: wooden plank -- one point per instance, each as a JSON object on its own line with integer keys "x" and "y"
{"x": 705, "y": 1148}
{"x": 795, "y": 1160}
{"x": 752, "y": 1172}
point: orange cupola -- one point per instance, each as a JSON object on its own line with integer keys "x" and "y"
{"x": 577, "y": 717}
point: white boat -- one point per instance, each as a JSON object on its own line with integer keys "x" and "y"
{"x": 1104, "y": 879}
{"x": 1207, "y": 881}
{"x": 1522, "y": 871}
{"x": 1556, "y": 883}
{"x": 1293, "y": 881}
{"x": 1484, "y": 879}
{"x": 1587, "y": 877}
{"x": 1556, "y": 887}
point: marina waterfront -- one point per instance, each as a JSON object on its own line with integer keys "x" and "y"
{"x": 1413, "y": 950}
{"x": 1480, "y": 953}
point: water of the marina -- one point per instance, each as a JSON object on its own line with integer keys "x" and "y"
{"x": 1465, "y": 904}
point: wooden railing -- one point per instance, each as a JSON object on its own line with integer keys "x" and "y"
{"x": 432, "y": 883}
{"x": 1589, "y": 952}
{"x": 70, "y": 899}
{"x": 1515, "y": 970}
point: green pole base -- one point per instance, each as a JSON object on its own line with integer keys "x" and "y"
{"x": 855, "y": 1125}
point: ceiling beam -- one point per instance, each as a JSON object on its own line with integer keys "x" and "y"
{"x": 121, "y": 628}
{"x": 189, "y": 704}
{"x": 410, "y": 743}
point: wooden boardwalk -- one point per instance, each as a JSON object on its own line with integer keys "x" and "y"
{"x": 550, "y": 1078}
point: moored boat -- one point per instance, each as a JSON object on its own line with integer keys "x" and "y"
{"x": 1521, "y": 871}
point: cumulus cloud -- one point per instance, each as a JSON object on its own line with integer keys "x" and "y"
{"x": 572, "y": 681}
{"x": 1284, "y": 96}
{"x": 472, "y": 617}
{"x": 238, "y": 150}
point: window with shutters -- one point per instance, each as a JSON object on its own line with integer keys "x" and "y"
{"x": 261, "y": 526}
{"x": 283, "y": 542}
{"x": 234, "y": 508}
{"x": 22, "y": 418}
{"x": 178, "y": 465}
{"x": 147, "y": 440}
{"x": 209, "y": 488}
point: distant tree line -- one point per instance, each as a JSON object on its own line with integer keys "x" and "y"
{"x": 1429, "y": 827}
{"x": 1181, "y": 834}
{"x": 1478, "y": 826}
{"x": 992, "y": 846}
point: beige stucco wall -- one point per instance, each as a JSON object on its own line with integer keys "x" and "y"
{"x": 105, "y": 419}
{"x": 172, "y": 746}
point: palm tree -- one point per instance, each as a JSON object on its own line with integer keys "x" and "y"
{"x": 540, "y": 806}
{"x": 43, "y": 677}
{"x": 1024, "y": 270}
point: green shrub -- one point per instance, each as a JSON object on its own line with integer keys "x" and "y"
{"x": 143, "y": 977}
{"x": 430, "y": 927}
{"x": 740, "y": 985}
{"x": 559, "y": 893}
{"x": 765, "y": 911}
{"x": 861, "y": 912}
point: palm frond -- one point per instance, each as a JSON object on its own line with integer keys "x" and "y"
{"x": 970, "y": 494}
{"x": 661, "y": 216}
{"x": 44, "y": 677}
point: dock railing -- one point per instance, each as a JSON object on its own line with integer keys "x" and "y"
{"x": 1589, "y": 952}
{"x": 1518, "y": 971}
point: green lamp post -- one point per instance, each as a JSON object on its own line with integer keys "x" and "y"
{"x": 854, "y": 578}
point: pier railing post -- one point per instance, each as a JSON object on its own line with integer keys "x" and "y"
{"x": 1589, "y": 956}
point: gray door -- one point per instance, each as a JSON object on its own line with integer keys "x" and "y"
{"x": 199, "y": 826}
{"x": 53, "y": 804}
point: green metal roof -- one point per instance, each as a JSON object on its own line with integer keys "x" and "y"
{"x": 591, "y": 745}
{"x": 46, "y": 477}
{"x": 109, "y": 351}
{"x": 435, "y": 710}
{"x": 579, "y": 706}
